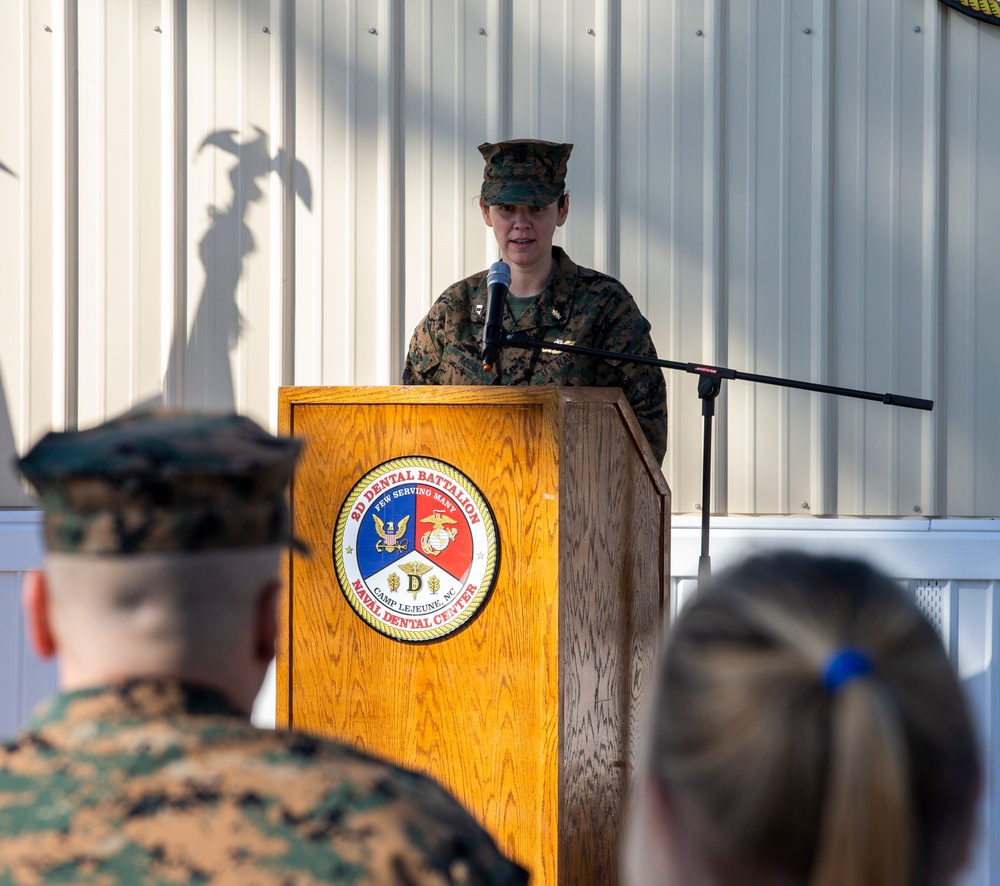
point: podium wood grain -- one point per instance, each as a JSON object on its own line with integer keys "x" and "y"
{"x": 529, "y": 713}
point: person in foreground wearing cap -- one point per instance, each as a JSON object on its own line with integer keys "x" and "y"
{"x": 807, "y": 728}
{"x": 164, "y": 534}
{"x": 524, "y": 200}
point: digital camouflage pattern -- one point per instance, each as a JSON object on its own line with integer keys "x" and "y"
{"x": 163, "y": 481}
{"x": 152, "y": 781}
{"x": 524, "y": 172}
{"x": 580, "y": 306}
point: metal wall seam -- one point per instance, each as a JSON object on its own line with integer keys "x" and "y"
{"x": 460, "y": 149}
{"x": 173, "y": 182}
{"x": 784, "y": 410}
{"x": 499, "y": 56}
{"x": 15, "y": 48}
{"x": 932, "y": 480}
{"x": 535, "y": 43}
{"x": 607, "y": 137}
{"x": 97, "y": 52}
{"x": 673, "y": 463}
{"x": 962, "y": 263}
{"x": 65, "y": 377}
{"x": 746, "y": 498}
{"x": 290, "y": 177}
{"x": 281, "y": 271}
{"x": 499, "y": 96}
{"x": 857, "y": 371}
{"x": 642, "y": 209}
{"x": 390, "y": 296}
{"x": 72, "y": 217}
{"x": 714, "y": 319}
{"x": 309, "y": 314}
{"x": 17, "y": 382}
{"x": 417, "y": 108}
{"x": 896, "y": 248}
{"x": 823, "y": 412}
{"x": 350, "y": 355}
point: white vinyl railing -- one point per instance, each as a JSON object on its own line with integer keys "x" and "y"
{"x": 952, "y": 568}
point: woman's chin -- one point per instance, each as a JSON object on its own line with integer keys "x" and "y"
{"x": 523, "y": 255}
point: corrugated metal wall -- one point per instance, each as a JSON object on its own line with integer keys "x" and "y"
{"x": 202, "y": 200}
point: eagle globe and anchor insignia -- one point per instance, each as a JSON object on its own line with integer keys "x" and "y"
{"x": 416, "y": 549}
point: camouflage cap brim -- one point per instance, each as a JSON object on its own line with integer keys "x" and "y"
{"x": 521, "y": 193}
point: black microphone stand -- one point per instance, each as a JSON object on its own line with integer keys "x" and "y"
{"x": 709, "y": 385}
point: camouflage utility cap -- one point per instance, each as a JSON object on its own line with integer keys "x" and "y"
{"x": 163, "y": 481}
{"x": 524, "y": 172}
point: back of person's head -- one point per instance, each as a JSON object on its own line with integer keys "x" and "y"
{"x": 807, "y": 728}
{"x": 163, "y": 535}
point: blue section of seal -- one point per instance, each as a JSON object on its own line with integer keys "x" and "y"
{"x": 387, "y": 532}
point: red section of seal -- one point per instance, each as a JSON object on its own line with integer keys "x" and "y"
{"x": 442, "y": 532}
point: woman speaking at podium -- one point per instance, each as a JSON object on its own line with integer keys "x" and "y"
{"x": 549, "y": 298}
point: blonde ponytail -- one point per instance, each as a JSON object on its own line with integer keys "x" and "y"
{"x": 866, "y": 824}
{"x": 866, "y": 779}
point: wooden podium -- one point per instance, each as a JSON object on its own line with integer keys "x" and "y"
{"x": 529, "y": 712}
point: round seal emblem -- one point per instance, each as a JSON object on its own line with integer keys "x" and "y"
{"x": 416, "y": 549}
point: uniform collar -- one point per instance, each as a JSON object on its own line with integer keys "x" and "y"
{"x": 138, "y": 699}
{"x": 552, "y": 307}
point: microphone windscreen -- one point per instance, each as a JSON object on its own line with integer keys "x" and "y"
{"x": 499, "y": 273}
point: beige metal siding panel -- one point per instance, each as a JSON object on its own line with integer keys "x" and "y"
{"x": 777, "y": 226}
{"x": 121, "y": 230}
{"x": 664, "y": 118}
{"x": 104, "y": 162}
{"x": 311, "y": 91}
{"x": 338, "y": 141}
{"x": 150, "y": 217}
{"x": 822, "y": 482}
{"x": 641, "y": 253}
{"x": 907, "y": 490}
{"x": 44, "y": 334}
{"x": 538, "y": 50}
{"x": 16, "y": 46}
{"x": 817, "y": 205}
{"x": 365, "y": 169}
{"x": 255, "y": 375}
{"x": 214, "y": 251}
{"x": 691, "y": 317}
{"x": 934, "y": 232}
{"x": 552, "y": 97}
{"x": 419, "y": 107}
{"x": 349, "y": 139}
{"x": 971, "y": 306}
{"x": 231, "y": 153}
{"x": 451, "y": 106}
{"x": 567, "y": 96}
{"x": 878, "y": 241}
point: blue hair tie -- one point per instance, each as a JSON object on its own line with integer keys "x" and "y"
{"x": 844, "y": 665}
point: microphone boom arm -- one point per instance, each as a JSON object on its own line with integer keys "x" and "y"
{"x": 519, "y": 340}
{"x": 709, "y": 385}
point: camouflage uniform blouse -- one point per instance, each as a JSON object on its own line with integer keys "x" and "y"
{"x": 152, "y": 781}
{"x": 581, "y": 307}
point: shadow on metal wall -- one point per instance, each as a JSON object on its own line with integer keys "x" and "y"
{"x": 205, "y": 369}
{"x": 12, "y": 494}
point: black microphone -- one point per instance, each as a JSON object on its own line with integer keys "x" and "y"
{"x": 497, "y": 281}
